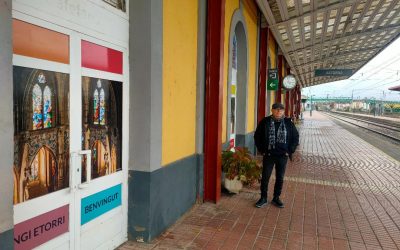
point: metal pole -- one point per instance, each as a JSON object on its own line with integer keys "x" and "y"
{"x": 374, "y": 108}
{"x": 383, "y": 105}
{"x": 352, "y": 93}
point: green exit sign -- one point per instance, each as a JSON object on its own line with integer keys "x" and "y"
{"x": 273, "y": 80}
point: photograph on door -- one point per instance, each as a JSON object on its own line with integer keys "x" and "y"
{"x": 101, "y": 125}
{"x": 41, "y": 132}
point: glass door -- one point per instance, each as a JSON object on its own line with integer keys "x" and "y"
{"x": 70, "y": 115}
{"x": 42, "y": 133}
{"x": 100, "y": 179}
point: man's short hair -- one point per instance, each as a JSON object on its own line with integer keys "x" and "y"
{"x": 278, "y": 105}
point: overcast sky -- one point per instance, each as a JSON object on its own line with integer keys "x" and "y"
{"x": 372, "y": 80}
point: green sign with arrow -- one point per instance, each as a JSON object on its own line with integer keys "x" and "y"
{"x": 273, "y": 81}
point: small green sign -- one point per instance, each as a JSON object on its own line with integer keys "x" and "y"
{"x": 333, "y": 72}
{"x": 273, "y": 81}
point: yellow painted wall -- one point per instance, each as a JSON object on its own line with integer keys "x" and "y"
{"x": 179, "y": 79}
{"x": 250, "y": 16}
{"x": 283, "y": 70}
{"x": 273, "y": 97}
{"x": 272, "y": 50}
{"x": 230, "y": 7}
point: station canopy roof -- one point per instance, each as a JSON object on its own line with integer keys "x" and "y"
{"x": 330, "y": 34}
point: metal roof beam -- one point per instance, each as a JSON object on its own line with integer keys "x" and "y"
{"x": 362, "y": 15}
{"x": 386, "y": 13}
{"x": 359, "y": 20}
{"x": 349, "y": 19}
{"x": 323, "y": 34}
{"x": 291, "y": 40}
{"x": 299, "y": 7}
{"x": 339, "y": 55}
{"x": 266, "y": 10}
{"x": 367, "y": 33}
{"x": 335, "y": 28}
{"x": 301, "y": 32}
{"x": 313, "y": 24}
{"x": 377, "y": 8}
{"x": 392, "y": 17}
{"x": 283, "y": 10}
{"x": 313, "y": 12}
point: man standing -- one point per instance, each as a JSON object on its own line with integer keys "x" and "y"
{"x": 276, "y": 137}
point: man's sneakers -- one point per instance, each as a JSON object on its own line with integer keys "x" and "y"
{"x": 261, "y": 202}
{"x": 277, "y": 202}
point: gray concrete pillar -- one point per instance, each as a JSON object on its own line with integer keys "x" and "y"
{"x": 145, "y": 59}
{"x": 6, "y": 127}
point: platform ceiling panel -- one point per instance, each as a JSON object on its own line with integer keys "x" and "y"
{"x": 331, "y": 34}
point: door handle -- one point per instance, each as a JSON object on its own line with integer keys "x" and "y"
{"x": 88, "y": 154}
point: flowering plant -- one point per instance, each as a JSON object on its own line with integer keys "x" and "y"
{"x": 241, "y": 163}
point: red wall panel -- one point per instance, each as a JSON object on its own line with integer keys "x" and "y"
{"x": 262, "y": 74}
{"x": 213, "y": 102}
{"x": 101, "y": 58}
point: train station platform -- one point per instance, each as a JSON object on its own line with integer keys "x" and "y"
{"x": 340, "y": 192}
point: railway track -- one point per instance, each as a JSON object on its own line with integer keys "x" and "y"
{"x": 389, "y": 123}
{"x": 386, "y": 129}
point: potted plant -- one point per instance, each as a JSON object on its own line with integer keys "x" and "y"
{"x": 239, "y": 167}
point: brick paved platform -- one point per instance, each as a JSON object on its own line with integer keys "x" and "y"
{"x": 340, "y": 193}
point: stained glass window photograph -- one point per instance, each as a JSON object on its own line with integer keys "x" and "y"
{"x": 41, "y": 138}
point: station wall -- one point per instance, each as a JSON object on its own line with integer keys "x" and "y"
{"x": 179, "y": 79}
{"x": 165, "y": 174}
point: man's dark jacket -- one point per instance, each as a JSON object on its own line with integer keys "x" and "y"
{"x": 261, "y": 136}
